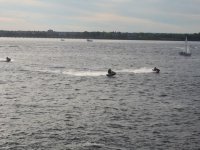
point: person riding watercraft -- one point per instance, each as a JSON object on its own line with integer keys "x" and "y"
{"x": 8, "y": 59}
{"x": 111, "y": 73}
{"x": 156, "y": 70}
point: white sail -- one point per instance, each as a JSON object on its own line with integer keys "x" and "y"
{"x": 187, "y": 49}
{"x": 186, "y": 52}
{"x": 186, "y": 44}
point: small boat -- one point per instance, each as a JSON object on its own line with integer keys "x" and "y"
{"x": 156, "y": 70}
{"x": 186, "y": 52}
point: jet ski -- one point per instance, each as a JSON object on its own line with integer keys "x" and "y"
{"x": 156, "y": 70}
{"x": 8, "y": 59}
{"x": 110, "y": 73}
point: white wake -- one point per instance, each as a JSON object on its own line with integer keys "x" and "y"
{"x": 139, "y": 70}
{"x": 93, "y": 73}
{"x": 4, "y": 60}
{"x": 85, "y": 73}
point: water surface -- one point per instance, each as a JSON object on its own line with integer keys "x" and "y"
{"x": 55, "y": 95}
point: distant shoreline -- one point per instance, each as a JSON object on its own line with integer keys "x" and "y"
{"x": 102, "y": 35}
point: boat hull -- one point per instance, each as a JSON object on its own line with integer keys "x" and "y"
{"x": 184, "y": 54}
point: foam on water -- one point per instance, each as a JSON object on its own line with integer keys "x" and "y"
{"x": 4, "y": 60}
{"x": 140, "y": 70}
{"x": 93, "y": 73}
{"x": 84, "y": 73}
{"x": 73, "y": 72}
{"x": 49, "y": 71}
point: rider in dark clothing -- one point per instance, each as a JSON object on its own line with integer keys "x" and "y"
{"x": 156, "y": 70}
{"x": 109, "y": 71}
{"x": 8, "y": 59}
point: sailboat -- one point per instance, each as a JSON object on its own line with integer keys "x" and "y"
{"x": 186, "y": 52}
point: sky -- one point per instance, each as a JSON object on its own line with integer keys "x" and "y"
{"x": 153, "y": 16}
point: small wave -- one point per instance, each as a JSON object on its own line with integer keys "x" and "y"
{"x": 23, "y": 70}
{"x": 10, "y": 98}
{"x": 88, "y": 145}
{"x": 13, "y": 46}
{"x": 50, "y": 71}
{"x": 2, "y": 82}
{"x": 163, "y": 95}
{"x": 58, "y": 67}
{"x": 93, "y": 145}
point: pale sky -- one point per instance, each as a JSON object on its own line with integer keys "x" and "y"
{"x": 160, "y": 16}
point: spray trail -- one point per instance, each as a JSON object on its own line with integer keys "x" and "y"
{"x": 92, "y": 73}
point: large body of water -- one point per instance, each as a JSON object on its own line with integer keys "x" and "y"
{"x": 54, "y": 95}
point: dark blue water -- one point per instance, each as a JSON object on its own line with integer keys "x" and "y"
{"x": 55, "y": 95}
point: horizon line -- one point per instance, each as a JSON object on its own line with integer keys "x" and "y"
{"x": 50, "y": 30}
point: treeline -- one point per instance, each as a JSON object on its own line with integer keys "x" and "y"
{"x": 101, "y": 35}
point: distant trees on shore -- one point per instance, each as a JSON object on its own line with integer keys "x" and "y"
{"x": 101, "y": 35}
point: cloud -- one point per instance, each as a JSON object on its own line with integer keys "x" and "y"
{"x": 106, "y": 15}
{"x": 23, "y": 2}
{"x": 6, "y": 20}
{"x": 115, "y": 22}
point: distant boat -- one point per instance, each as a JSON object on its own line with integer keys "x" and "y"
{"x": 89, "y": 40}
{"x": 186, "y": 51}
